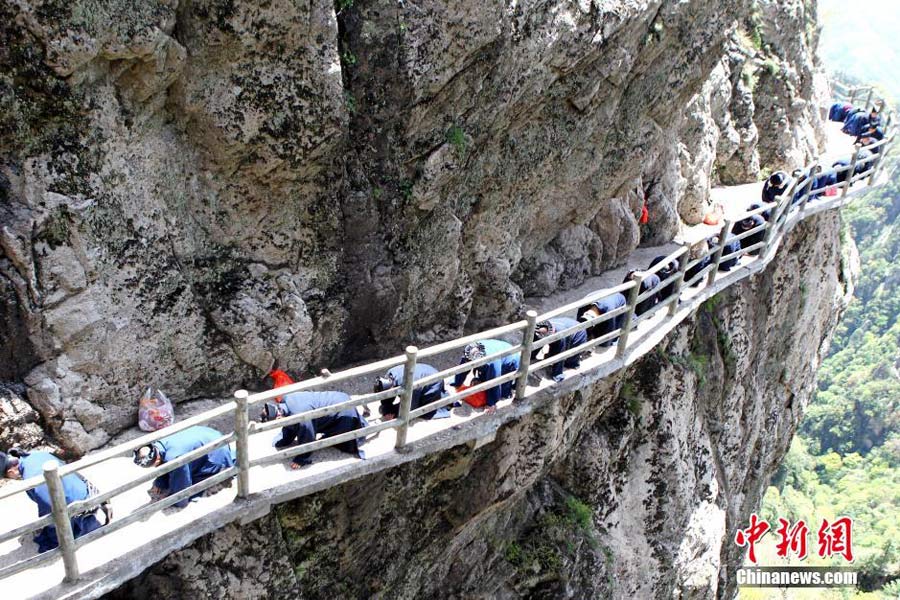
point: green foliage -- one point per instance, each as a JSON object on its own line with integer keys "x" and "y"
{"x": 343, "y": 5}
{"x": 846, "y": 458}
{"x": 580, "y": 513}
{"x": 350, "y": 102}
{"x": 348, "y": 58}
{"x": 456, "y": 137}
{"x": 632, "y": 402}
{"x": 554, "y": 538}
{"x": 755, "y": 33}
{"x": 406, "y": 187}
{"x": 772, "y": 67}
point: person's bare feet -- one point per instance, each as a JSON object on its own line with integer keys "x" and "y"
{"x": 295, "y": 466}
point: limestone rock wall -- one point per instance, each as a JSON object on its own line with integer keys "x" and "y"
{"x": 632, "y": 487}
{"x": 191, "y": 190}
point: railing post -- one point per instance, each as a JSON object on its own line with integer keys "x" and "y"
{"x": 813, "y": 172}
{"x": 633, "y": 294}
{"x": 241, "y": 435}
{"x": 869, "y": 99}
{"x": 61, "y": 519}
{"x": 717, "y": 257}
{"x": 852, "y": 171}
{"x": 878, "y": 161}
{"x": 409, "y": 380}
{"x": 679, "y": 281}
{"x": 782, "y": 204}
{"x": 525, "y": 357}
{"x": 853, "y": 95}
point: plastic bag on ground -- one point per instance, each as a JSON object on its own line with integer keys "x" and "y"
{"x": 155, "y": 411}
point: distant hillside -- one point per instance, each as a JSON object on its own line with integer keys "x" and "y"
{"x": 861, "y": 40}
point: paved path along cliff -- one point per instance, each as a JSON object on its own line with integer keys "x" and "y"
{"x": 110, "y": 560}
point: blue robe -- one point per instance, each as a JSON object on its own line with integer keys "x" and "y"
{"x": 856, "y": 124}
{"x": 563, "y": 344}
{"x": 304, "y": 432}
{"x": 731, "y": 246}
{"x": 746, "y": 225}
{"x": 496, "y": 368}
{"x": 647, "y": 284}
{"x": 766, "y": 214}
{"x": 771, "y": 192}
{"x": 838, "y": 111}
{"x": 420, "y": 396}
{"x": 197, "y": 470}
{"x": 664, "y": 273}
{"x": 603, "y": 306}
{"x": 695, "y": 270}
{"x": 76, "y": 488}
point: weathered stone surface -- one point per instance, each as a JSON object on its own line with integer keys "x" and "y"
{"x": 19, "y": 422}
{"x": 632, "y": 487}
{"x": 191, "y": 191}
{"x": 788, "y": 80}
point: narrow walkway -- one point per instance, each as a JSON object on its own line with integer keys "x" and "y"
{"x": 111, "y": 560}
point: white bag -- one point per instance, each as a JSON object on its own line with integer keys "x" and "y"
{"x": 155, "y": 411}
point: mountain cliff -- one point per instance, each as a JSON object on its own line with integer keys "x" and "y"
{"x": 192, "y": 190}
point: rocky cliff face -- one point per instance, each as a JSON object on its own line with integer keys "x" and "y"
{"x": 630, "y": 488}
{"x": 191, "y": 190}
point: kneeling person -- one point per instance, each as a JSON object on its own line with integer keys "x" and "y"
{"x": 600, "y": 307}
{"x": 491, "y": 370}
{"x": 176, "y": 445}
{"x": 390, "y": 407}
{"x": 546, "y": 328}
{"x": 25, "y": 465}
{"x": 345, "y": 421}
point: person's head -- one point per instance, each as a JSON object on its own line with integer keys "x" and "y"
{"x": 628, "y": 275}
{"x": 474, "y": 351}
{"x": 148, "y": 455}
{"x": 543, "y": 329}
{"x": 271, "y": 411}
{"x": 778, "y": 179}
{"x": 9, "y": 465}
{"x": 384, "y": 383}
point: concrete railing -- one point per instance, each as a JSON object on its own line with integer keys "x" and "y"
{"x": 788, "y": 209}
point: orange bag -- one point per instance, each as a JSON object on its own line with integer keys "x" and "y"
{"x": 280, "y": 379}
{"x": 476, "y": 400}
{"x": 715, "y": 216}
{"x": 645, "y": 215}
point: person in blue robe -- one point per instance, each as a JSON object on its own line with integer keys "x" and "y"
{"x": 344, "y": 421}
{"x": 176, "y": 445}
{"x": 390, "y": 407}
{"x": 552, "y": 326}
{"x": 486, "y": 372}
{"x": 19, "y": 464}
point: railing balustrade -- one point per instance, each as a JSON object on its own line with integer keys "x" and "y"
{"x": 782, "y": 215}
